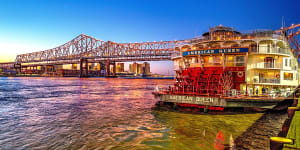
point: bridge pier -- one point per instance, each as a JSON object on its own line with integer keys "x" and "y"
{"x": 18, "y": 67}
{"x": 84, "y": 67}
{"x": 107, "y": 68}
{"x": 114, "y": 68}
{"x": 108, "y": 71}
{"x": 59, "y": 70}
{"x": 49, "y": 70}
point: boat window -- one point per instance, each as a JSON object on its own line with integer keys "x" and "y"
{"x": 210, "y": 59}
{"x": 206, "y": 61}
{"x": 193, "y": 60}
{"x": 269, "y": 62}
{"x": 240, "y": 60}
{"x": 230, "y": 60}
{"x": 218, "y": 60}
{"x": 288, "y": 76}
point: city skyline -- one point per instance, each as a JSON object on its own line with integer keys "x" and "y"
{"x": 30, "y": 26}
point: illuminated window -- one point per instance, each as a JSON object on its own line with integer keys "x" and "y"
{"x": 288, "y": 76}
{"x": 218, "y": 60}
{"x": 206, "y": 59}
{"x": 210, "y": 59}
{"x": 229, "y": 60}
{"x": 240, "y": 60}
{"x": 269, "y": 62}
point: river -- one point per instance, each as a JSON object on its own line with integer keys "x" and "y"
{"x": 104, "y": 113}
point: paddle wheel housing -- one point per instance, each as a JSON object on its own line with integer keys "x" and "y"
{"x": 208, "y": 81}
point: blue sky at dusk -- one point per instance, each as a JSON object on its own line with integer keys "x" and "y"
{"x": 34, "y": 25}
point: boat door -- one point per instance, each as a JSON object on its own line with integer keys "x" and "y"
{"x": 269, "y": 62}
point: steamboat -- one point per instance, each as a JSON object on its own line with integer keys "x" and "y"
{"x": 225, "y": 69}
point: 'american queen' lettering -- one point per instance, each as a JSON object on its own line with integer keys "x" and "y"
{"x": 216, "y": 51}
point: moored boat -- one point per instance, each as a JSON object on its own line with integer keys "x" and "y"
{"x": 227, "y": 69}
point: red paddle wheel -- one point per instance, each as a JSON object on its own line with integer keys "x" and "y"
{"x": 208, "y": 81}
{"x": 198, "y": 81}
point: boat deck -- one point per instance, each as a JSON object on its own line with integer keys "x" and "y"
{"x": 258, "y": 98}
{"x": 240, "y": 97}
{"x": 241, "y": 101}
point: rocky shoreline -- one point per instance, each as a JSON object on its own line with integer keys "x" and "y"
{"x": 258, "y": 135}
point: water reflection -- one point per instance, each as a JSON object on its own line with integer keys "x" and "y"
{"x": 197, "y": 131}
{"x": 98, "y": 113}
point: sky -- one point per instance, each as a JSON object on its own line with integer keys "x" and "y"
{"x": 35, "y": 25}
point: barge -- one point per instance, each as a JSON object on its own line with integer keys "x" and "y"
{"x": 226, "y": 69}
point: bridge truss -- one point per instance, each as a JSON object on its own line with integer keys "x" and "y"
{"x": 292, "y": 34}
{"x": 84, "y": 46}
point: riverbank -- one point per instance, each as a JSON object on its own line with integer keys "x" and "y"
{"x": 258, "y": 135}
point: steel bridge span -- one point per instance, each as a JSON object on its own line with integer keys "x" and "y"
{"x": 84, "y": 46}
{"x": 85, "y": 49}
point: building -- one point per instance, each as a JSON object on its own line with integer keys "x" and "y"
{"x": 146, "y": 68}
{"x": 119, "y": 67}
{"x": 143, "y": 68}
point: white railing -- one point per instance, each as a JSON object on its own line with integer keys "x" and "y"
{"x": 271, "y": 93}
{"x": 265, "y": 94}
{"x": 269, "y": 50}
{"x": 267, "y": 80}
{"x": 264, "y": 65}
{"x": 235, "y": 64}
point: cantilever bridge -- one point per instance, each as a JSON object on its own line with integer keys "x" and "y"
{"x": 85, "y": 49}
